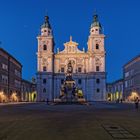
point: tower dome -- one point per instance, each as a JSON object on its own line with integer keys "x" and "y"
{"x": 96, "y": 22}
{"x": 46, "y": 24}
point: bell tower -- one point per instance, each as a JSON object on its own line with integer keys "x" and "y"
{"x": 45, "y": 62}
{"x": 45, "y": 47}
{"x": 96, "y": 46}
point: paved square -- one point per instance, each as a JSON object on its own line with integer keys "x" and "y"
{"x": 117, "y": 131}
{"x": 99, "y": 121}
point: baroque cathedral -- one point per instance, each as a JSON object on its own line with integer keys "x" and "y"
{"x": 88, "y": 66}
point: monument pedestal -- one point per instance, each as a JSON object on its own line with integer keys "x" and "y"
{"x": 69, "y": 92}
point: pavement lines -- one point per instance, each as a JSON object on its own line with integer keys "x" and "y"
{"x": 119, "y": 132}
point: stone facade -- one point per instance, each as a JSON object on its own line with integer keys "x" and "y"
{"x": 28, "y": 91}
{"x": 10, "y": 77}
{"x": 131, "y": 74}
{"x": 88, "y": 66}
{"x": 115, "y": 90}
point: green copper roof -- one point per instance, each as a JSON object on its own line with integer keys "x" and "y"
{"x": 96, "y": 22}
{"x": 46, "y": 23}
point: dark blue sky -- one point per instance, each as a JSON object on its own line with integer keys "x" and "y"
{"x": 20, "y": 23}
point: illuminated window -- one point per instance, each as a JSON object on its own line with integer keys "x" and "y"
{"x": 44, "y": 68}
{"x": 97, "y": 46}
{"x": 97, "y": 68}
{"x": 44, "y": 47}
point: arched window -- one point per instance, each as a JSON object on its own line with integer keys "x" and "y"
{"x": 44, "y": 81}
{"x": 79, "y": 69}
{"x": 97, "y": 68}
{"x": 79, "y": 81}
{"x": 44, "y": 68}
{"x": 44, "y": 47}
{"x": 97, "y": 46}
{"x": 44, "y": 90}
{"x": 97, "y": 80}
{"x": 62, "y": 69}
{"x": 97, "y": 90}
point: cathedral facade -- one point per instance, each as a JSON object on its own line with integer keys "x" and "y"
{"x": 88, "y": 66}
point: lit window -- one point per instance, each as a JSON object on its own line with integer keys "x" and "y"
{"x": 98, "y": 81}
{"x": 45, "y": 47}
{"x": 97, "y": 46}
{"x": 97, "y": 68}
{"x": 44, "y": 68}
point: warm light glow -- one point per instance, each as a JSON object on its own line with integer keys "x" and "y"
{"x": 3, "y": 97}
{"x": 14, "y": 97}
{"x": 133, "y": 96}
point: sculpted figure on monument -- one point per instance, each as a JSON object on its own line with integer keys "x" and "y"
{"x": 69, "y": 71}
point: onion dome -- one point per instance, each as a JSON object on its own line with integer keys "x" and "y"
{"x": 96, "y": 22}
{"x": 46, "y": 23}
